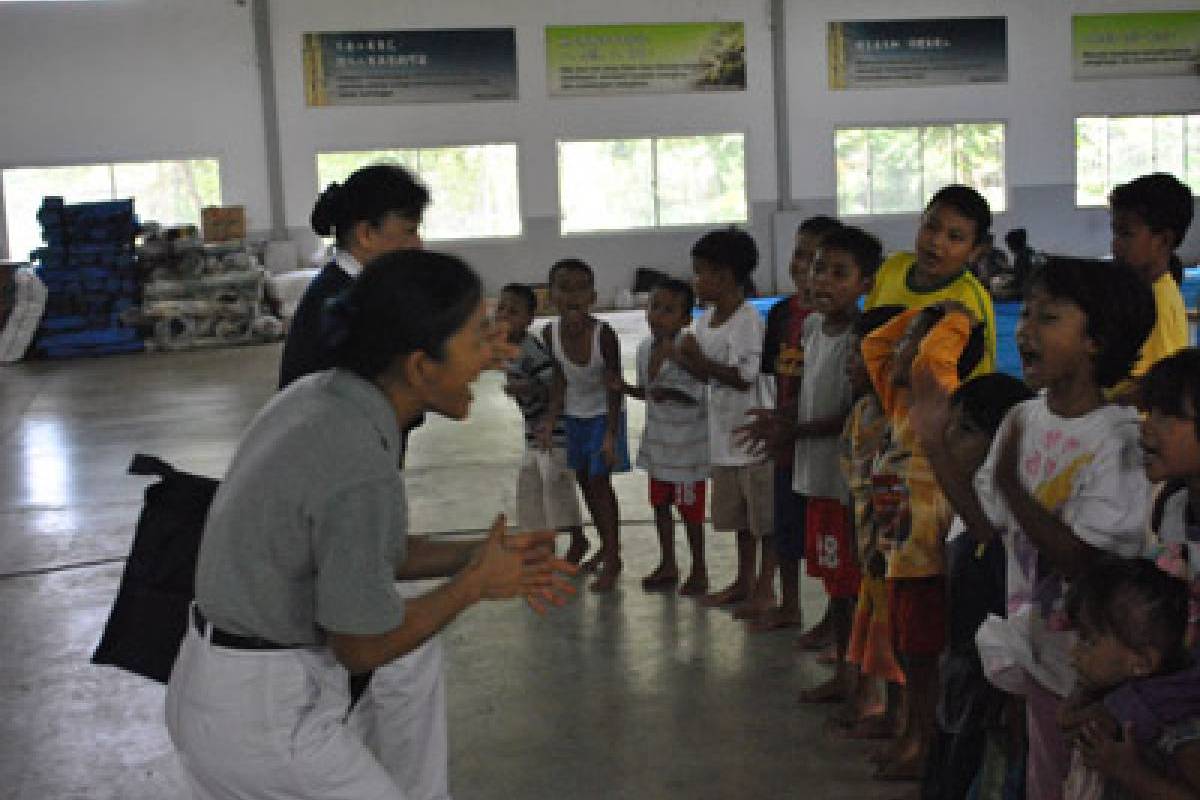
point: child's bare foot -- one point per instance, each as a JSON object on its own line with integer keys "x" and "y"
{"x": 594, "y": 563}
{"x": 776, "y": 618}
{"x": 750, "y": 610}
{"x": 696, "y": 584}
{"x": 905, "y": 768}
{"x": 734, "y": 593}
{"x": 816, "y": 637}
{"x": 663, "y": 577}
{"x": 831, "y": 691}
{"x": 606, "y": 578}
{"x": 576, "y": 550}
{"x": 869, "y": 727}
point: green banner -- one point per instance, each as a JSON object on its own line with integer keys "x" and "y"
{"x": 1135, "y": 45}
{"x": 645, "y": 59}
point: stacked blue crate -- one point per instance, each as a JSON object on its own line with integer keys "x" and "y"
{"x": 89, "y": 270}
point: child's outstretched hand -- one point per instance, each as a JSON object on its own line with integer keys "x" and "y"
{"x": 757, "y": 434}
{"x": 615, "y": 382}
{"x": 503, "y": 350}
{"x": 1111, "y": 756}
{"x": 930, "y": 412}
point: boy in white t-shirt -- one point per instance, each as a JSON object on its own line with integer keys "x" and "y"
{"x": 726, "y": 352}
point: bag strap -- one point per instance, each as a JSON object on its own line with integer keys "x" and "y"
{"x": 143, "y": 464}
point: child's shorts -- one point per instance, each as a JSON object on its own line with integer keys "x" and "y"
{"x": 830, "y": 545}
{"x": 546, "y": 498}
{"x": 585, "y": 445}
{"x": 871, "y": 646}
{"x": 743, "y": 498}
{"x": 789, "y": 517}
{"x": 687, "y": 497}
{"x": 918, "y": 615}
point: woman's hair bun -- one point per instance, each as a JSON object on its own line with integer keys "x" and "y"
{"x": 329, "y": 209}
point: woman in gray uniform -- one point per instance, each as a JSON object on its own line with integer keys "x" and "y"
{"x": 307, "y": 534}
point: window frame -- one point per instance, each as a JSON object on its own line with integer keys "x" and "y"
{"x": 892, "y": 125}
{"x": 516, "y": 143}
{"x": 657, "y": 228}
{"x": 110, "y": 162}
{"x": 1109, "y": 116}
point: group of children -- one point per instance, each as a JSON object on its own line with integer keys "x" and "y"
{"x": 995, "y": 551}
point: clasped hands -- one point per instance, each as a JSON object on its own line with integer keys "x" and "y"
{"x": 522, "y": 565}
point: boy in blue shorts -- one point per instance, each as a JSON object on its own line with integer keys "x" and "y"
{"x": 587, "y": 362}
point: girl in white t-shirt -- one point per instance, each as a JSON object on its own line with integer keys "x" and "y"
{"x": 1062, "y": 485}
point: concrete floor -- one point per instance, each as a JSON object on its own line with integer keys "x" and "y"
{"x": 623, "y": 696}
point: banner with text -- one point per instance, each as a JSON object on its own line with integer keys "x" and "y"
{"x": 418, "y": 66}
{"x": 865, "y": 54}
{"x": 645, "y": 59}
{"x": 1135, "y": 45}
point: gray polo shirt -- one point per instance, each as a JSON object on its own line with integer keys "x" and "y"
{"x": 309, "y": 525}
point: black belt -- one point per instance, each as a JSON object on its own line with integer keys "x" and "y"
{"x": 232, "y": 640}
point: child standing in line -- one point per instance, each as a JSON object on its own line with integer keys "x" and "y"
{"x": 953, "y": 232}
{"x": 969, "y": 708}
{"x": 674, "y": 449}
{"x": 1061, "y": 484}
{"x": 783, "y": 357}
{"x": 1171, "y": 443}
{"x": 869, "y": 651}
{"x": 587, "y": 360}
{"x": 546, "y": 498}
{"x": 1150, "y": 217}
{"x": 910, "y": 512}
{"x": 1131, "y": 618}
{"x": 726, "y": 352}
{"x": 841, "y": 274}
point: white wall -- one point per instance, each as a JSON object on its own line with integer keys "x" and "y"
{"x": 534, "y": 121}
{"x": 134, "y": 79}
{"x": 1039, "y": 104}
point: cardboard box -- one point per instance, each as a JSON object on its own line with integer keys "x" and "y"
{"x": 223, "y": 223}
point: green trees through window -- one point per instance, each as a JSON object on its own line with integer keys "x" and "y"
{"x": 474, "y": 187}
{"x": 895, "y": 170}
{"x": 1114, "y": 150}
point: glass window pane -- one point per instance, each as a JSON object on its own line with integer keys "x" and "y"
{"x": 1130, "y": 152}
{"x": 473, "y": 191}
{"x": 701, "y": 179}
{"x": 170, "y": 192}
{"x": 336, "y": 167}
{"x": 605, "y": 185}
{"x": 853, "y": 155}
{"x": 979, "y": 160}
{"x": 1192, "y": 177}
{"x": 1091, "y": 161}
{"x": 895, "y": 170}
{"x": 25, "y": 188}
{"x": 1168, "y": 144}
{"x": 937, "y": 156}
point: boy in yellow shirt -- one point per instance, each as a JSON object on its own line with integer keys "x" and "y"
{"x": 1150, "y": 216}
{"x": 953, "y": 231}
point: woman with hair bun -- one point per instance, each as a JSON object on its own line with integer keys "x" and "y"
{"x": 376, "y": 211}
{"x": 295, "y": 583}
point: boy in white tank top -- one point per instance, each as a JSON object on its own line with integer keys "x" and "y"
{"x": 587, "y": 360}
